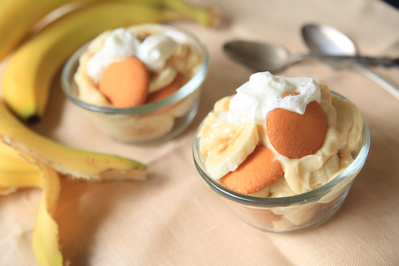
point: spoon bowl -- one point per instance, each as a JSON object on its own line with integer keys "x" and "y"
{"x": 327, "y": 40}
{"x": 330, "y": 41}
{"x": 258, "y": 56}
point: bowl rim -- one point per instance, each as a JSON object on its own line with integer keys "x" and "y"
{"x": 195, "y": 82}
{"x": 299, "y": 199}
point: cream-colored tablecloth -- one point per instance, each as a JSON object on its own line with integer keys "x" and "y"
{"x": 173, "y": 218}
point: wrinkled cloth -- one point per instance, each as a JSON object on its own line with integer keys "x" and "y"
{"x": 173, "y": 218}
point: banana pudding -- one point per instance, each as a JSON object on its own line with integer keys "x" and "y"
{"x": 140, "y": 84}
{"x": 282, "y": 140}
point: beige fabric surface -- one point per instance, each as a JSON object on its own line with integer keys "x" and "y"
{"x": 173, "y": 218}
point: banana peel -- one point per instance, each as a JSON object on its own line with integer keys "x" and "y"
{"x": 45, "y": 235}
{"x": 36, "y": 174}
{"x": 30, "y": 172}
{"x": 28, "y": 159}
{"x": 64, "y": 159}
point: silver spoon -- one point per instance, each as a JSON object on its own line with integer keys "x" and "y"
{"x": 328, "y": 40}
{"x": 275, "y": 58}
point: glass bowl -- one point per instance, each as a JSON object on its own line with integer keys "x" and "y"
{"x": 149, "y": 123}
{"x": 295, "y": 213}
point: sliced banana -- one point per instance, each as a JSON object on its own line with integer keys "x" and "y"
{"x": 222, "y": 104}
{"x": 182, "y": 107}
{"x": 264, "y": 193}
{"x": 323, "y": 175}
{"x": 207, "y": 124}
{"x": 193, "y": 62}
{"x": 346, "y": 158}
{"x": 88, "y": 91}
{"x": 282, "y": 224}
{"x": 280, "y": 188}
{"x": 301, "y": 214}
{"x": 181, "y": 50}
{"x": 212, "y": 120}
{"x": 185, "y": 60}
{"x": 345, "y": 119}
{"x": 147, "y": 127}
{"x": 162, "y": 78}
{"x": 355, "y": 135}
{"x": 217, "y": 134}
{"x": 110, "y": 125}
{"x": 326, "y": 105}
{"x": 230, "y": 152}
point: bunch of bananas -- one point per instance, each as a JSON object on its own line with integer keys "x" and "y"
{"x": 28, "y": 159}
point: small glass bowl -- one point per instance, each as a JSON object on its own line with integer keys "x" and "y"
{"x": 295, "y": 213}
{"x": 149, "y": 123}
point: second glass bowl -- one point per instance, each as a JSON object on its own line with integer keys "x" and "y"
{"x": 149, "y": 123}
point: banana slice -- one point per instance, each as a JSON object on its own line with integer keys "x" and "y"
{"x": 162, "y": 79}
{"x": 207, "y": 124}
{"x": 222, "y": 104}
{"x": 282, "y": 224}
{"x": 345, "y": 119}
{"x": 280, "y": 189}
{"x": 147, "y": 128}
{"x": 88, "y": 91}
{"x": 354, "y": 136}
{"x": 301, "y": 214}
{"x": 264, "y": 193}
{"x": 216, "y": 135}
{"x": 346, "y": 158}
{"x": 185, "y": 104}
{"x": 230, "y": 152}
{"x": 327, "y": 106}
{"x": 323, "y": 175}
{"x": 211, "y": 121}
{"x": 185, "y": 60}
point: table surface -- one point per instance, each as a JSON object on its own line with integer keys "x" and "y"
{"x": 172, "y": 218}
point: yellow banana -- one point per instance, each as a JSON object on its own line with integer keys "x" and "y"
{"x": 15, "y": 171}
{"x": 45, "y": 235}
{"x": 12, "y": 162}
{"x": 66, "y": 160}
{"x": 17, "y": 18}
{"x": 23, "y": 14}
{"x": 28, "y": 75}
{"x": 15, "y": 180}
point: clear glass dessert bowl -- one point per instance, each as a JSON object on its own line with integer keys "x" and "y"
{"x": 294, "y": 213}
{"x": 150, "y": 123}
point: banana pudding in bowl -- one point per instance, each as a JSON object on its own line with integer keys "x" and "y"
{"x": 138, "y": 85}
{"x": 282, "y": 152}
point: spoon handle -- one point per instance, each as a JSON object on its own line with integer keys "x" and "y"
{"x": 362, "y": 60}
{"x": 381, "y": 81}
{"x": 377, "y": 61}
{"x": 341, "y": 61}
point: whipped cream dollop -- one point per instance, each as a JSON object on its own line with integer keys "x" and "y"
{"x": 262, "y": 93}
{"x": 122, "y": 43}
